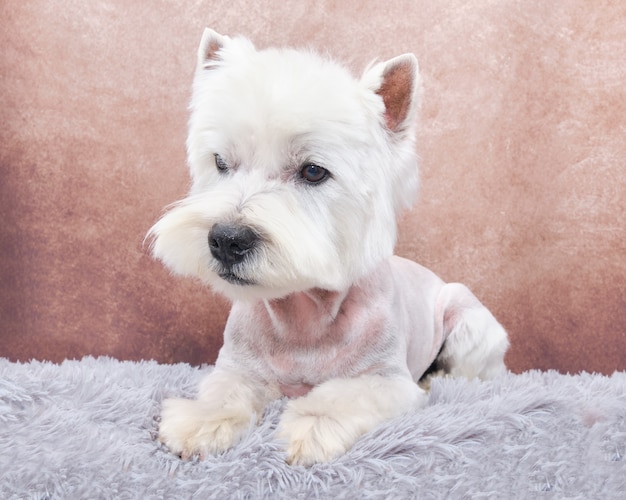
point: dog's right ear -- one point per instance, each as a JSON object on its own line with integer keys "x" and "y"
{"x": 210, "y": 46}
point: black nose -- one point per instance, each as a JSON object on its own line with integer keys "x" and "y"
{"x": 230, "y": 243}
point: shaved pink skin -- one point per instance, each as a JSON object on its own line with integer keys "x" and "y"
{"x": 388, "y": 323}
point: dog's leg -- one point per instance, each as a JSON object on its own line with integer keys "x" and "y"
{"x": 475, "y": 342}
{"x": 326, "y": 423}
{"x": 227, "y": 405}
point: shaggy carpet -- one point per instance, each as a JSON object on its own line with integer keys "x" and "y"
{"x": 86, "y": 429}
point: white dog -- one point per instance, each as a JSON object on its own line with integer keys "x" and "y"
{"x": 299, "y": 172}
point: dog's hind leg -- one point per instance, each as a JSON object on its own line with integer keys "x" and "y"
{"x": 475, "y": 343}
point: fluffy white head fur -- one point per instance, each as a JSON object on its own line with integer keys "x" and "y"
{"x": 266, "y": 114}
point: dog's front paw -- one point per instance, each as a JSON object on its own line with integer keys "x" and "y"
{"x": 314, "y": 435}
{"x": 326, "y": 422}
{"x": 193, "y": 428}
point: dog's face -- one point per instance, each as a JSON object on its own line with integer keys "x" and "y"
{"x": 298, "y": 170}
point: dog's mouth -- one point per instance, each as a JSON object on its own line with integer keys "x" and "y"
{"x": 229, "y": 276}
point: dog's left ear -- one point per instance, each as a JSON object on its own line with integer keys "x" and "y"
{"x": 397, "y": 82}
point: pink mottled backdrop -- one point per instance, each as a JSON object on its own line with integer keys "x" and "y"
{"x": 522, "y": 140}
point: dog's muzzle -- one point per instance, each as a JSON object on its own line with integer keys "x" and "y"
{"x": 230, "y": 244}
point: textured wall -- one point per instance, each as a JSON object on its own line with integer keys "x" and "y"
{"x": 522, "y": 140}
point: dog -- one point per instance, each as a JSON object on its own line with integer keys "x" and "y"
{"x": 299, "y": 172}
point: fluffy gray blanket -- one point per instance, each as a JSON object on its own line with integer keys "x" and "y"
{"x": 86, "y": 429}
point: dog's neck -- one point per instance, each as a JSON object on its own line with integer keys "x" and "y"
{"x": 307, "y": 317}
{"x": 309, "y": 307}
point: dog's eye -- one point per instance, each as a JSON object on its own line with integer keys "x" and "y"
{"x": 314, "y": 174}
{"x": 220, "y": 163}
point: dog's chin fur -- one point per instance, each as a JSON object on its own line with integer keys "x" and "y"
{"x": 266, "y": 114}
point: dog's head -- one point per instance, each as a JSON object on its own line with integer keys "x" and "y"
{"x": 298, "y": 170}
